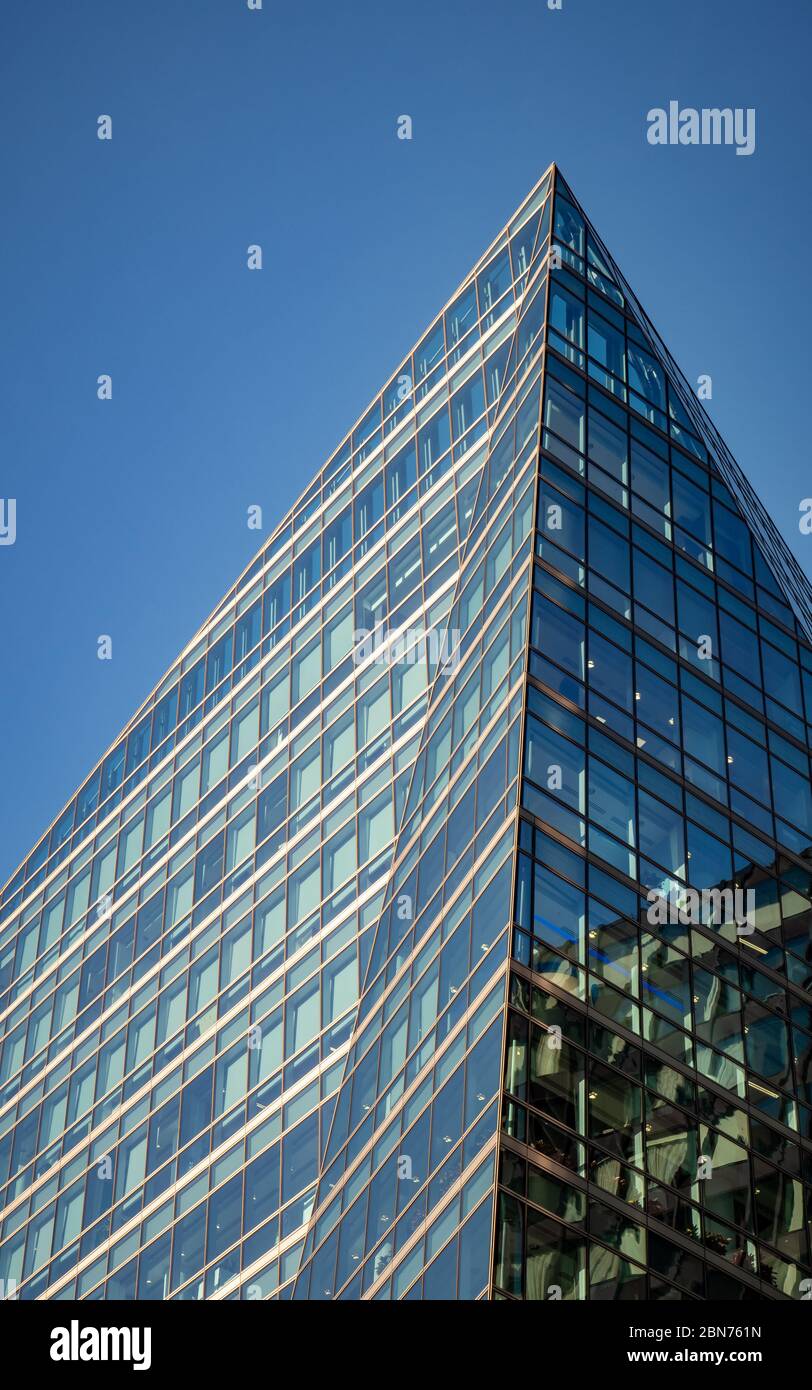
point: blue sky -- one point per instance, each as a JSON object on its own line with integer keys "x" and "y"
{"x": 278, "y": 127}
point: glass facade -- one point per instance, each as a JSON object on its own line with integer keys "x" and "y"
{"x": 656, "y": 1129}
{"x": 342, "y": 976}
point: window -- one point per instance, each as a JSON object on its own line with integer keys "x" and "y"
{"x": 767, "y": 1043}
{"x": 608, "y": 446}
{"x": 376, "y": 827}
{"x": 276, "y": 604}
{"x": 218, "y": 661}
{"x": 569, "y": 226}
{"x": 561, "y": 520}
{"x": 697, "y": 618}
{"x": 247, "y": 633}
{"x": 740, "y": 647}
{"x": 245, "y": 732}
{"x": 467, "y": 405}
{"x": 650, "y": 478}
{"x": 559, "y": 635}
{"x": 187, "y": 786}
{"x": 555, "y": 764}
{"x": 433, "y": 441}
{"x": 272, "y": 806}
{"x": 781, "y": 677}
{"x": 340, "y": 985}
{"x": 138, "y": 744}
{"x": 401, "y": 475}
{"x": 606, "y": 345}
{"x": 559, "y": 914}
{"x": 646, "y": 376}
{"x": 337, "y": 639}
{"x": 241, "y": 838}
{"x": 731, "y": 538}
{"x": 609, "y": 555}
{"x": 792, "y": 794}
{"x": 564, "y": 413}
{"x": 615, "y": 1112}
{"x": 556, "y": 1260}
{"x": 302, "y": 1017}
{"x": 306, "y": 670}
{"x": 209, "y": 866}
{"x": 459, "y": 320}
{"x": 230, "y": 1078}
{"x": 691, "y": 507}
{"x": 556, "y": 1080}
{"x": 369, "y": 506}
{"x": 439, "y": 538}
{"x": 662, "y": 834}
{"x": 657, "y": 703}
{"x": 747, "y": 766}
{"x": 703, "y": 735}
{"x": 303, "y": 891}
{"x": 337, "y": 540}
{"x": 427, "y": 357}
{"x": 306, "y": 571}
{"x": 305, "y": 776}
{"x": 339, "y": 744}
{"x": 404, "y": 571}
{"x": 372, "y": 712}
{"x": 339, "y": 859}
{"x": 610, "y": 671}
{"x": 492, "y": 283}
{"x": 566, "y": 314}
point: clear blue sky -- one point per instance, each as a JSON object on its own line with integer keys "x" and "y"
{"x": 229, "y": 388}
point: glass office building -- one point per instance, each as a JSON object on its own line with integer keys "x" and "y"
{"x": 345, "y": 974}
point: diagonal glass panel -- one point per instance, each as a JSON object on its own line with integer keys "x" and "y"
{"x": 449, "y": 901}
